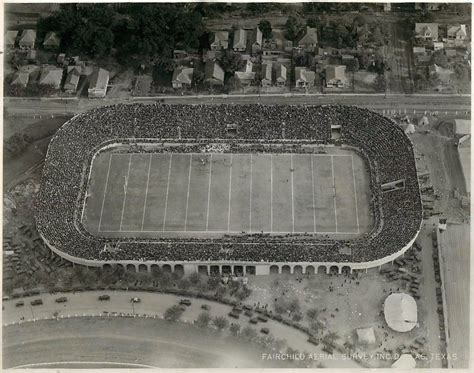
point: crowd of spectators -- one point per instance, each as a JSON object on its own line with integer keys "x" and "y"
{"x": 384, "y": 146}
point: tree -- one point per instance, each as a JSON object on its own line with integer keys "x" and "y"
{"x": 249, "y": 333}
{"x": 330, "y": 337}
{"x": 380, "y": 83}
{"x": 378, "y": 37}
{"x": 439, "y": 58}
{"x": 194, "y": 278}
{"x": 184, "y": 284}
{"x": 213, "y": 282}
{"x": 203, "y": 319}
{"x": 353, "y": 65}
{"x": 313, "y": 21}
{"x": 266, "y": 28}
{"x": 16, "y": 144}
{"x": 173, "y": 313}
{"x": 231, "y": 61}
{"x": 461, "y": 72}
{"x": 317, "y": 327}
{"x": 293, "y": 27}
{"x": 364, "y": 61}
{"x": 312, "y": 314}
{"x": 258, "y": 8}
{"x": 220, "y": 322}
{"x": 234, "y": 329}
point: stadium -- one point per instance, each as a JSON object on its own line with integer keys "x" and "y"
{"x": 241, "y": 189}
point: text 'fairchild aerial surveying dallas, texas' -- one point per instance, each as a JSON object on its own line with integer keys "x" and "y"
{"x": 236, "y": 185}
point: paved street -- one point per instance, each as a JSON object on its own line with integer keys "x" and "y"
{"x": 86, "y": 303}
{"x": 420, "y": 103}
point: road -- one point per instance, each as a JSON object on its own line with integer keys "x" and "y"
{"x": 420, "y": 103}
{"x": 86, "y": 303}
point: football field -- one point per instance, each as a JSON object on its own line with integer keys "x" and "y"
{"x": 151, "y": 195}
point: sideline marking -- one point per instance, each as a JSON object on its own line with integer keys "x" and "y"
{"x": 355, "y": 193}
{"x": 105, "y": 192}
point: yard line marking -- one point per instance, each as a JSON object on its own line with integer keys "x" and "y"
{"x": 187, "y": 195}
{"x": 355, "y": 194}
{"x": 292, "y": 200}
{"x": 146, "y": 191}
{"x": 125, "y": 187}
{"x": 250, "y": 212}
{"x": 105, "y": 192}
{"x": 167, "y": 191}
{"x": 312, "y": 186}
{"x": 209, "y": 193}
{"x": 271, "y": 192}
{"x": 334, "y": 185}
{"x": 230, "y": 194}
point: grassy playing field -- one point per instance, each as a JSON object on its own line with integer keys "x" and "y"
{"x": 211, "y": 194}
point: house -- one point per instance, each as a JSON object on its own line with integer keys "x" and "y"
{"x": 287, "y": 46}
{"x": 240, "y": 40}
{"x": 457, "y": 32}
{"x": 213, "y": 74}
{"x": 27, "y": 39}
{"x": 326, "y": 51}
{"x": 51, "y": 40}
{"x": 246, "y": 76}
{"x": 444, "y": 75}
{"x": 387, "y": 7}
{"x": 281, "y": 75}
{"x": 419, "y": 51}
{"x": 450, "y": 52}
{"x": 428, "y": 6}
{"x": 61, "y": 58}
{"x": 182, "y": 77}
{"x": 98, "y": 82}
{"x": 179, "y": 54}
{"x": 219, "y": 40}
{"x": 20, "y": 78}
{"x": 72, "y": 80}
{"x": 437, "y": 45}
{"x": 426, "y": 31}
{"x": 336, "y": 76}
{"x": 304, "y": 78}
{"x": 10, "y": 38}
{"x": 51, "y": 76}
{"x": 347, "y": 58}
{"x": 256, "y": 40}
{"x": 266, "y": 74}
{"x": 309, "y": 40}
{"x": 31, "y": 56}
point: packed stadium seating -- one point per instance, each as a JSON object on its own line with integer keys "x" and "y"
{"x": 386, "y": 149}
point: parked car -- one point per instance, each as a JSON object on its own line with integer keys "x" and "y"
{"x": 20, "y": 304}
{"x": 234, "y": 314}
{"x": 265, "y": 330}
{"x": 248, "y": 313}
{"x": 104, "y": 297}
{"x": 262, "y": 318}
{"x": 135, "y": 300}
{"x": 61, "y": 300}
{"x": 254, "y": 320}
{"x": 206, "y": 307}
{"x": 186, "y": 302}
{"x": 37, "y": 302}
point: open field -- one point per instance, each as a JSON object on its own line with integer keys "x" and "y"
{"x": 212, "y": 194}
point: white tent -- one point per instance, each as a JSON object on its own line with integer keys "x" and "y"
{"x": 406, "y": 361}
{"x": 423, "y": 121}
{"x": 400, "y": 311}
{"x": 410, "y": 129}
{"x": 366, "y": 335}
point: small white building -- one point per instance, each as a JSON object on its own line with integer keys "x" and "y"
{"x": 219, "y": 41}
{"x": 240, "y": 40}
{"x": 98, "y": 83}
{"x": 182, "y": 77}
{"x": 266, "y": 74}
{"x": 304, "y": 78}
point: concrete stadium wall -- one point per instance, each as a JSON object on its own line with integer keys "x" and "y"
{"x": 236, "y": 267}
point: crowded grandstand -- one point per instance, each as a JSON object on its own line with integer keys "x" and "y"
{"x": 387, "y": 151}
